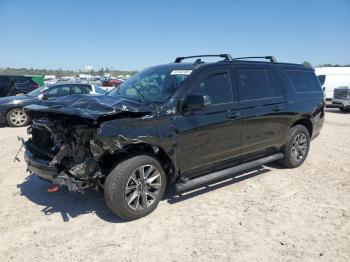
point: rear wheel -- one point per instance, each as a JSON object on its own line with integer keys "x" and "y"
{"x": 134, "y": 187}
{"x": 343, "y": 109}
{"x": 297, "y": 147}
{"x": 17, "y": 118}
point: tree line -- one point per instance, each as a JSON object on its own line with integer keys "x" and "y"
{"x": 308, "y": 64}
{"x": 60, "y": 72}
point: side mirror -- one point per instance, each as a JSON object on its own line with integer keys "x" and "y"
{"x": 43, "y": 96}
{"x": 196, "y": 101}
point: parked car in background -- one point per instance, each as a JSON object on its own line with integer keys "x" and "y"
{"x": 341, "y": 98}
{"x": 186, "y": 123}
{"x": 13, "y": 85}
{"x": 11, "y": 107}
{"x": 112, "y": 82}
{"x": 50, "y": 80}
{"x": 332, "y": 77}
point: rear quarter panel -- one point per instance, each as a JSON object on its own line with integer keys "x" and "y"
{"x": 300, "y": 105}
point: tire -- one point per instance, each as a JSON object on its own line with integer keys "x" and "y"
{"x": 344, "y": 109}
{"x": 126, "y": 195}
{"x": 17, "y": 118}
{"x": 297, "y": 147}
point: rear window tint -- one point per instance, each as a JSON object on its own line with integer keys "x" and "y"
{"x": 255, "y": 84}
{"x": 322, "y": 79}
{"x": 303, "y": 81}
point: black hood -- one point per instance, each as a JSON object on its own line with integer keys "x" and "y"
{"x": 90, "y": 106}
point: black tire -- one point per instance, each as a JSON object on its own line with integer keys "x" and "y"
{"x": 290, "y": 160}
{"x": 115, "y": 188}
{"x": 21, "y": 122}
{"x": 344, "y": 109}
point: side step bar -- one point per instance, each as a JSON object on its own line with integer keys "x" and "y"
{"x": 180, "y": 187}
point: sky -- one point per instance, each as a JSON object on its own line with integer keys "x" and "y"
{"x": 132, "y": 35}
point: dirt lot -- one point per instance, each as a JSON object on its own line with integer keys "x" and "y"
{"x": 275, "y": 215}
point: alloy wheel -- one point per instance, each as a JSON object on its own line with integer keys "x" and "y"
{"x": 18, "y": 117}
{"x": 143, "y": 188}
{"x": 299, "y": 147}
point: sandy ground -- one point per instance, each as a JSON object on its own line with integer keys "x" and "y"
{"x": 275, "y": 214}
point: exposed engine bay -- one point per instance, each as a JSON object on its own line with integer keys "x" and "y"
{"x": 66, "y": 147}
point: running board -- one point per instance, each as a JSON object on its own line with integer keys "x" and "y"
{"x": 180, "y": 187}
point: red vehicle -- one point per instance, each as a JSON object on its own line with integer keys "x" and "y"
{"x": 112, "y": 82}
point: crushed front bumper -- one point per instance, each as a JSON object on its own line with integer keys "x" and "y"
{"x": 42, "y": 168}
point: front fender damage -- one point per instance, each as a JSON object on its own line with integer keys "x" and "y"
{"x": 75, "y": 147}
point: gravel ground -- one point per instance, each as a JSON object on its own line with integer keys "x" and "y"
{"x": 275, "y": 214}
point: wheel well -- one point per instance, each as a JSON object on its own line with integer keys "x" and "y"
{"x": 305, "y": 122}
{"x": 110, "y": 161}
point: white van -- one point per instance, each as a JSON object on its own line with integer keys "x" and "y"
{"x": 333, "y": 77}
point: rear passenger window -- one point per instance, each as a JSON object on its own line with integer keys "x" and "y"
{"x": 217, "y": 86}
{"x": 303, "y": 81}
{"x": 81, "y": 89}
{"x": 255, "y": 84}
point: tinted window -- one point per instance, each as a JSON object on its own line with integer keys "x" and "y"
{"x": 255, "y": 84}
{"x": 4, "y": 80}
{"x": 321, "y": 79}
{"x": 217, "y": 86}
{"x": 303, "y": 81}
{"x": 58, "y": 91}
{"x": 81, "y": 89}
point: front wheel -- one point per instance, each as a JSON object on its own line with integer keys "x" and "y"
{"x": 297, "y": 147}
{"x": 134, "y": 188}
{"x": 17, "y": 118}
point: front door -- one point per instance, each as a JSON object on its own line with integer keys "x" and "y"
{"x": 210, "y": 135}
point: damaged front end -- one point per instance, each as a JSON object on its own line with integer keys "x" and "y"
{"x": 75, "y": 142}
{"x": 59, "y": 151}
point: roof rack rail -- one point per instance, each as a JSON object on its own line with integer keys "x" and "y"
{"x": 271, "y": 58}
{"x": 226, "y": 56}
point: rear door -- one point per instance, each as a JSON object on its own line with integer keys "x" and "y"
{"x": 210, "y": 135}
{"x": 264, "y": 108}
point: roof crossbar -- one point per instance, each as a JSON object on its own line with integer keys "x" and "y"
{"x": 271, "y": 58}
{"x": 226, "y": 56}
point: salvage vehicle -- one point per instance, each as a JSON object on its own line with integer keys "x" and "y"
{"x": 341, "y": 98}
{"x": 11, "y": 107}
{"x": 11, "y": 85}
{"x": 185, "y": 123}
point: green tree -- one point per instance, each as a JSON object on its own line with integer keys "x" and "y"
{"x": 307, "y": 64}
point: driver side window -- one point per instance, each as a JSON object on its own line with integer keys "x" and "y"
{"x": 58, "y": 91}
{"x": 217, "y": 86}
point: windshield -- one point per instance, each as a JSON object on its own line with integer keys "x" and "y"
{"x": 37, "y": 91}
{"x": 152, "y": 85}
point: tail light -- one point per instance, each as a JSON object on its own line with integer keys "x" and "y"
{"x": 35, "y": 85}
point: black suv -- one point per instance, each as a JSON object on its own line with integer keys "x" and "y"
{"x": 14, "y": 85}
{"x": 188, "y": 123}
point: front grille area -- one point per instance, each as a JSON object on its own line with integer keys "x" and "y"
{"x": 341, "y": 93}
{"x": 41, "y": 138}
